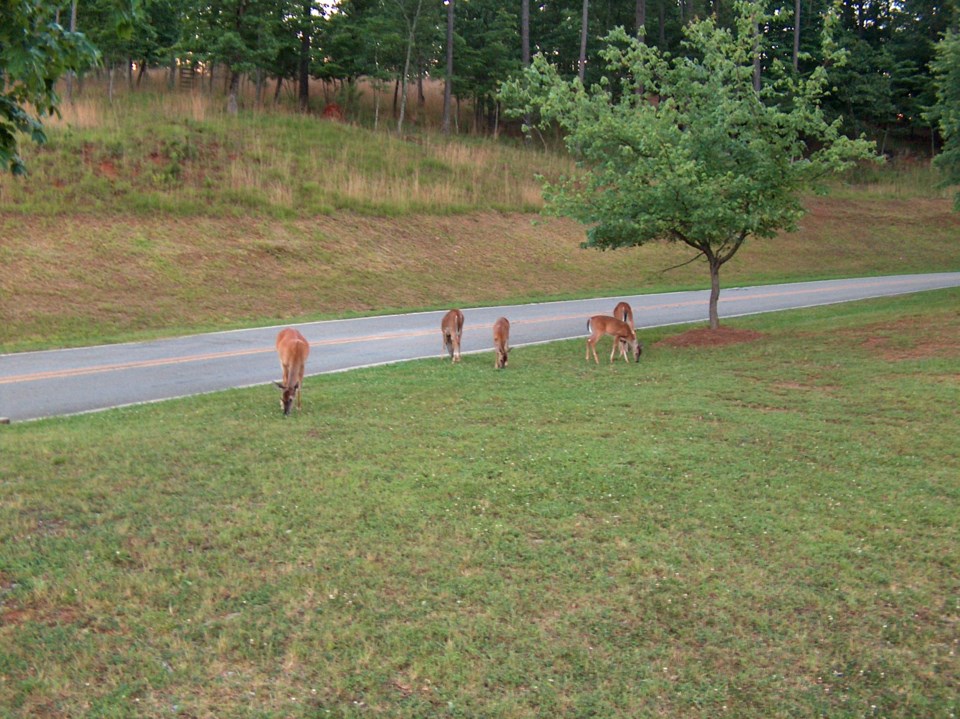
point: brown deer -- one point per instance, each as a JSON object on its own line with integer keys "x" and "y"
{"x": 293, "y": 349}
{"x": 623, "y": 336}
{"x": 451, "y": 326}
{"x": 501, "y": 341}
{"x": 624, "y": 313}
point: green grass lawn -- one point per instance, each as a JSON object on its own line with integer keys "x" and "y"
{"x": 765, "y": 529}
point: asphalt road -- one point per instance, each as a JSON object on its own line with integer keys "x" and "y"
{"x": 62, "y": 382}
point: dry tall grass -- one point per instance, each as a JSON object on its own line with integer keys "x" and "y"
{"x": 155, "y": 143}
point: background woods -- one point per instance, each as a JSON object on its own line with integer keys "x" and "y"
{"x": 883, "y": 89}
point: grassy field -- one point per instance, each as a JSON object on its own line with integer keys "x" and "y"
{"x": 766, "y": 529}
{"x": 158, "y": 214}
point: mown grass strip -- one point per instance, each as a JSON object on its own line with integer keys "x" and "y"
{"x": 758, "y": 530}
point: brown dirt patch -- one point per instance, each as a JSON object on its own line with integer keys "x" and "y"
{"x": 912, "y": 338}
{"x": 706, "y": 337}
{"x": 109, "y": 169}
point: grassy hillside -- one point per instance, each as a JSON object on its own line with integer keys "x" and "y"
{"x": 761, "y": 530}
{"x": 158, "y": 214}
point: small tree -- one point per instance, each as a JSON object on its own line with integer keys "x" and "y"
{"x": 699, "y": 156}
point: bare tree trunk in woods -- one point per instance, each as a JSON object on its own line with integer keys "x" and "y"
{"x": 641, "y": 17}
{"x": 525, "y": 49}
{"x": 304, "y": 97}
{"x": 796, "y": 35}
{"x": 448, "y": 81}
{"x": 582, "y": 70}
{"x": 421, "y": 71}
{"x": 232, "y": 104}
{"x": 73, "y": 28}
{"x": 411, "y": 37}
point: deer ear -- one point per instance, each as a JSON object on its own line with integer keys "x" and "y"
{"x": 279, "y": 384}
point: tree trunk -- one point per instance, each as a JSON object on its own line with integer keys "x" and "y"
{"x": 448, "y": 81}
{"x": 261, "y": 81}
{"x": 403, "y": 91}
{"x": 641, "y": 18}
{"x": 304, "y": 97}
{"x": 796, "y": 36}
{"x": 714, "y": 291}
{"x": 73, "y": 28}
{"x": 582, "y": 65}
{"x": 411, "y": 37}
{"x": 232, "y": 103}
{"x": 525, "y": 50}
{"x": 421, "y": 97}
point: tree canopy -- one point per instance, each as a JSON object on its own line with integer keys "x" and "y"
{"x": 35, "y": 51}
{"x": 885, "y": 90}
{"x": 684, "y": 148}
{"x": 947, "y": 109}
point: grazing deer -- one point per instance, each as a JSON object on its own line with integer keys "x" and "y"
{"x": 293, "y": 349}
{"x": 624, "y": 313}
{"x": 623, "y": 336}
{"x": 501, "y": 340}
{"x": 452, "y": 328}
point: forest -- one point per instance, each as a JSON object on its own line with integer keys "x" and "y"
{"x": 885, "y": 89}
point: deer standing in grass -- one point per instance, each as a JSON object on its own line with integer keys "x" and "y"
{"x": 624, "y": 313}
{"x": 501, "y": 342}
{"x": 293, "y": 349}
{"x": 451, "y": 326}
{"x": 623, "y": 336}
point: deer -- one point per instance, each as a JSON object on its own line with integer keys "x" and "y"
{"x": 624, "y": 313}
{"x": 293, "y": 349}
{"x": 501, "y": 340}
{"x": 623, "y": 336}
{"x": 451, "y": 326}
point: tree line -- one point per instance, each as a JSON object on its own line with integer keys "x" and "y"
{"x": 891, "y": 87}
{"x": 882, "y": 90}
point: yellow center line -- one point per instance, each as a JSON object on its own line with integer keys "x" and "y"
{"x": 141, "y": 364}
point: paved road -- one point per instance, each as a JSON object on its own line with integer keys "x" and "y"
{"x": 61, "y": 382}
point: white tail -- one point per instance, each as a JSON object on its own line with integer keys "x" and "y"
{"x": 623, "y": 336}
{"x": 293, "y": 349}
{"x": 452, "y": 329}
{"x": 624, "y": 313}
{"x": 501, "y": 341}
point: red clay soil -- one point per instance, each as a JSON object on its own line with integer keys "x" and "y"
{"x": 706, "y": 337}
